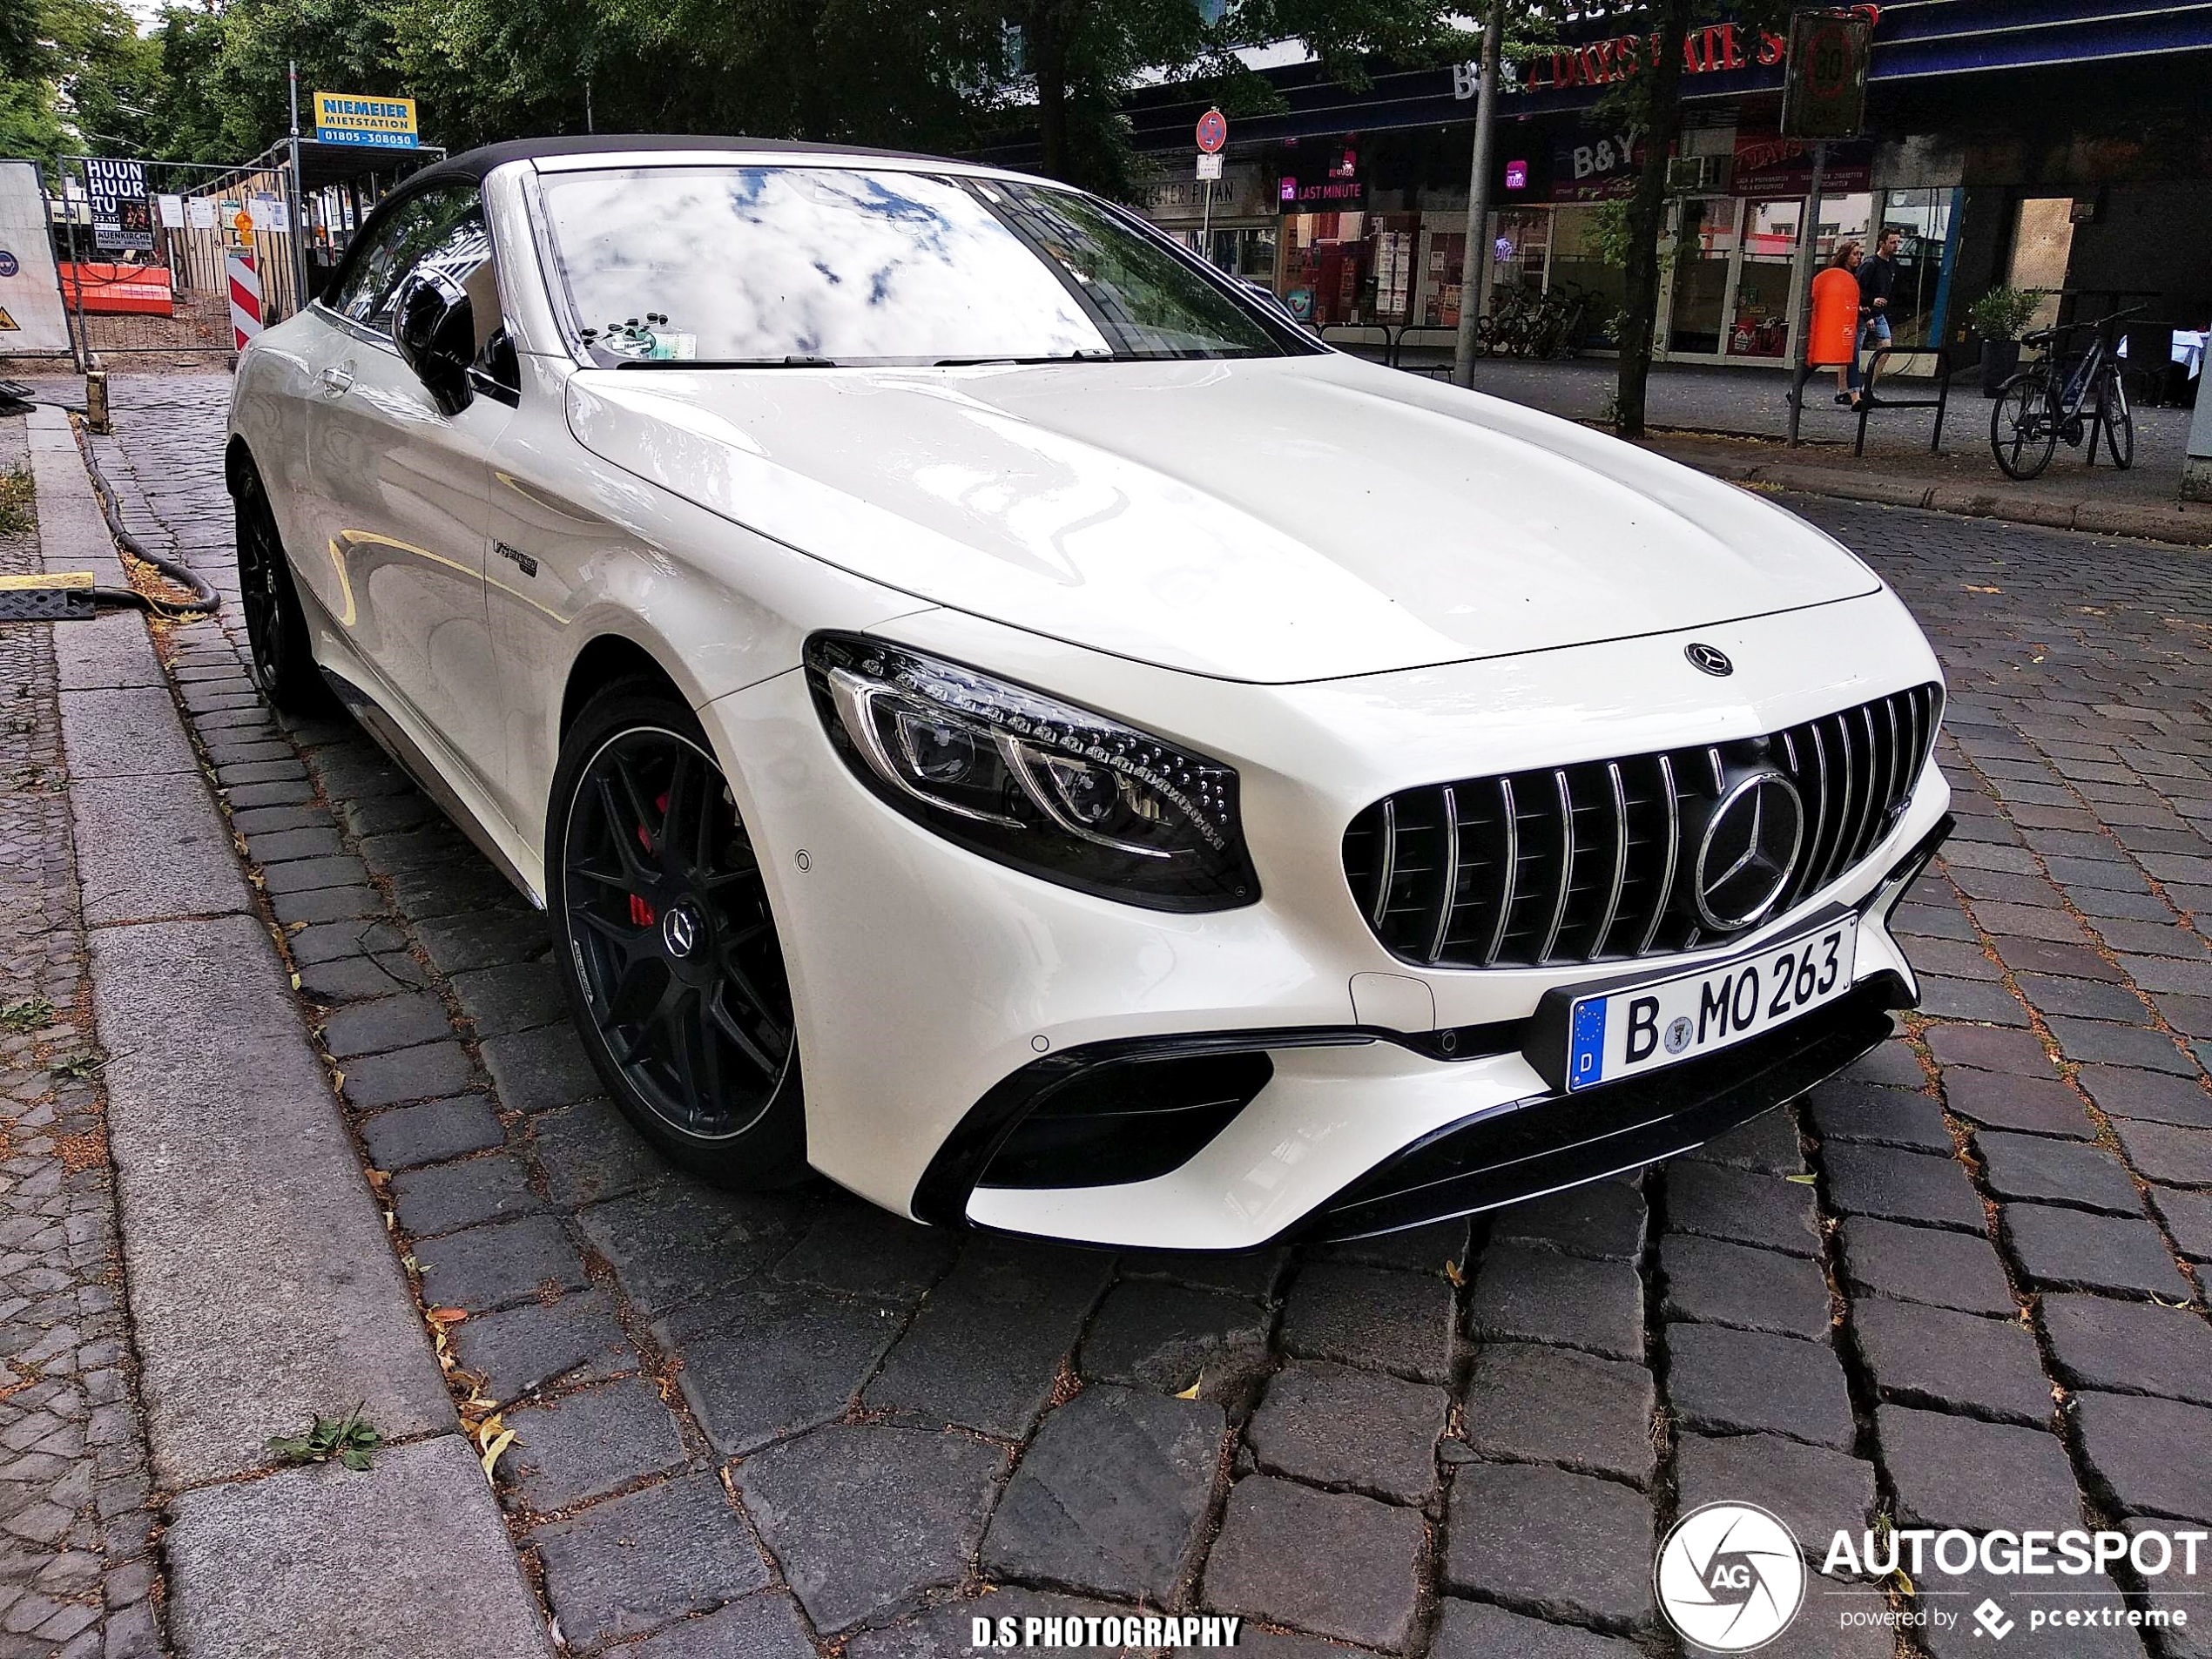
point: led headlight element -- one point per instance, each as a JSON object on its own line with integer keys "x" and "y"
{"x": 1065, "y": 794}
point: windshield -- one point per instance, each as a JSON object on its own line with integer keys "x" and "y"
{"x": 805, "y": 266}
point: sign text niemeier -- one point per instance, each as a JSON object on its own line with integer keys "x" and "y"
{"x": 355, "y": 117}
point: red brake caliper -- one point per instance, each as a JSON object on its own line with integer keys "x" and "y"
{"x": 642, "y": 913}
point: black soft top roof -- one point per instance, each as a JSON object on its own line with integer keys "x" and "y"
{"x": 475, "y": 164}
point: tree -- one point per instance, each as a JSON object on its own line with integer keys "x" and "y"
{"x": 1648, "y": 103}
{"x": 74, "y": 75}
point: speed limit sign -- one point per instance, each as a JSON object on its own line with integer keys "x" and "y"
{"x": 1213, "y": 131}
{"x": 1824, "y": 95}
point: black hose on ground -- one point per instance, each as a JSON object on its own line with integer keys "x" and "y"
{"x": 205, "y": 599}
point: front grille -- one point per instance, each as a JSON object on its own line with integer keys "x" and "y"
{"x": 1592, "y": 862}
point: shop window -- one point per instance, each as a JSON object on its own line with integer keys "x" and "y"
{"x": 1440, "y": 293}
{"x": 1705, "y": 251}
{"x": 1922, "y": 219}
{"x": 1578, "y": 263}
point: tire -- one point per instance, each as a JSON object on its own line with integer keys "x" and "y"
{"x": 688, "y": 1021}
{"x": 2021, "y": 434}
{"x": 2117, "y": 422}
{"x": 279, "y": 653}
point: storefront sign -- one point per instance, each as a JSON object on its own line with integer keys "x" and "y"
{"x": 122, "y": 222}
{"x": 1767, "y": 165}
{"x": 1241, "y": 193}
{"x": 1706, "y": 50}
{"x": 1321, "y": 195}
{"x": 349, "y": 118}
{"x": 1589, "y": 165}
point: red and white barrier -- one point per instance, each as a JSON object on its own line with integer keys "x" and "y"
{"x": 245, "y": 295}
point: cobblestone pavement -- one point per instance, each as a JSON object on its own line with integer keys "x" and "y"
{"x": 76, "y": 1574}
{"x": 1952, "y": 1288}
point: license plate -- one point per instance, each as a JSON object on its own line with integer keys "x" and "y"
{"x": 1621, "y": 1033}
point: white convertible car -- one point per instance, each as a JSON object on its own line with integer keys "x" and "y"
{"x": 999, "y": 715}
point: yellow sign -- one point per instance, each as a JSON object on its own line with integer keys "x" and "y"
{"x": 357, "y": 117}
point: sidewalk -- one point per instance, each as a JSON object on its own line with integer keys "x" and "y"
{"x": 1731, "y": 422}
{"x": 264, "y": 1289}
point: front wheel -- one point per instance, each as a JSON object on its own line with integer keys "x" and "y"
{"x": 670, "y": 956}
{"x": 2021, "y": 434}
{"x": 2118, "y": 423}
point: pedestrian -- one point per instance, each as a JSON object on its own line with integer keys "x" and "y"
{"x": 1877, "y": 292}
{"x": 1831, "y": 342}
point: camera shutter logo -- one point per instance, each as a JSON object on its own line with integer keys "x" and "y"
{"x": 1730, "y": 1577}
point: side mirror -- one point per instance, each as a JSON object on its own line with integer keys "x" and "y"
{"x": 435, "y": 326}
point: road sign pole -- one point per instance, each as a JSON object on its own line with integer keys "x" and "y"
{"x": 1800, "y": 337}
{"x": 1474, "y": 266}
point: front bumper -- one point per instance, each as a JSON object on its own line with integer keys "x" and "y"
{"x": 934, "y": 987}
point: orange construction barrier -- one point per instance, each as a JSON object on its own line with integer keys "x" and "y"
{"x": 141, "y": 290}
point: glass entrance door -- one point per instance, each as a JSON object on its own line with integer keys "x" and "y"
{"x": 1705, "y": 248}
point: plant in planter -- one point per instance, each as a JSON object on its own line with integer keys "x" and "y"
{"x": 1999, "y": 316}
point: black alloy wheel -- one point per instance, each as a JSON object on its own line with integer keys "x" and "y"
{"x": 674, "y": 971}
{"x": 276, "y": 628}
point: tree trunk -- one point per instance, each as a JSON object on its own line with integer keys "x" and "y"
{"x": 1047, "y": 45}
{"x": 1647, "y": 212}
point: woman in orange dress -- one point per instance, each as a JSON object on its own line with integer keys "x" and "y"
{"x": 1833, "y": 338}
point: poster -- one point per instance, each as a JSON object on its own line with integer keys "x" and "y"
{"x": 122, "y": 218}
{"x": 199, "y": 213}
{"x": 268, "y": 211}
{"x": 32, "y": 323}
{"x": 172, "y": 211}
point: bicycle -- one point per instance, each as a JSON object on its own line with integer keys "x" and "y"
{"x": 2046, "y": 401}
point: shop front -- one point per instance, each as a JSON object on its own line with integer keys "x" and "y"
{"x": 2067, "y": 153}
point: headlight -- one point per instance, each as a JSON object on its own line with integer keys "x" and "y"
{"x": 1049, "y": 788}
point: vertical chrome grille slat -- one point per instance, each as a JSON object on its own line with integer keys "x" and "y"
{"x": 1620, "y": 861}
{"x": 1387, "y": 865}
{"x": 1451, "y": 883}
{"x": 1870, "y": 810}
{"x": 1510, "y": 879}
{"x": 1430, "y": 900}
{"x": 1819, "y": 809}
{"x": 1894, "y": 771}
{"x": 1846, "y": 767}
{"x": 1566, "y": 877}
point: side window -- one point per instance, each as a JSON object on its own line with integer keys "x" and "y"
{"x": 424, "y": 225}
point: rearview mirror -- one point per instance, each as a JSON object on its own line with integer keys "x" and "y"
{"x": 434, "y": 327}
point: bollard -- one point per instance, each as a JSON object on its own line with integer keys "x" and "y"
{"x": 96, "y": 413}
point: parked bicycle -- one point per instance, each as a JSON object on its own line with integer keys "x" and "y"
{"x": 2064, "y": 397}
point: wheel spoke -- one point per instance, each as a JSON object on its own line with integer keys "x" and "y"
{"x": 728, "y": 1025}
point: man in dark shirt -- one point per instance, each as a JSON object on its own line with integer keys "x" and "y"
{"x": 1878, "y": 291}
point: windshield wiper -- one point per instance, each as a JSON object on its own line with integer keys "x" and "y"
{"x": 728, "y": 362}
{"x": 1042, "y": 357}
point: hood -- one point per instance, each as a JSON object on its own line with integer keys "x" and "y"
{"x": 1271, "y": 521}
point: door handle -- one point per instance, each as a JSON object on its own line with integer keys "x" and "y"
{"x": 337, "y": 377}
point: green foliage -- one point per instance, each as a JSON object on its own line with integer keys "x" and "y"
{"x": 17, "y": 494}
{"x": 209, "y": 83}
{"x": 2003, "y": 311}
{"x": 348, "y": 1439}
{"x": 74, "y": 74}
{"x": 33, "y": 1012}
